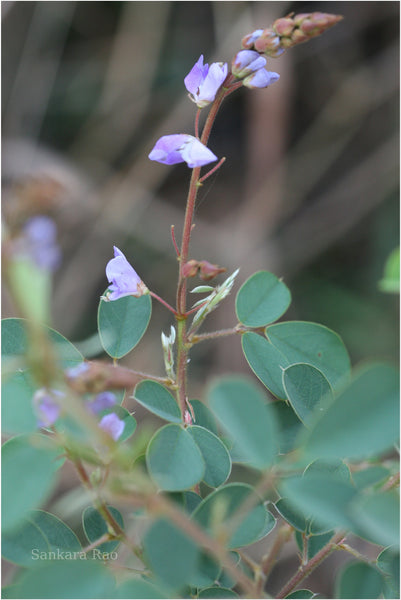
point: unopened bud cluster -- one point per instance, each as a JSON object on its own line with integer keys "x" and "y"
{"x": 289, "y": 31}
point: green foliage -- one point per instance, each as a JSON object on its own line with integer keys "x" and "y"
{"x": 388, "y": 562}
{"x": 313, "y": 344}
{"x": 391, "y": 277}
{"x": 307, "y": 390}
{"x": 266, "y": 361}
{"x": 95, "y": 526}
{"x": 301, "y": 594}
{"x": 217, "y": 592}
{"x": 262, "y": 299}
{"x": 29, "y": 464}
{"x": 68, "y": 579}
{"x": 122, "y": 323}
{"x": 221, "y": 512}
{"x": 353, "y": 426}
{"x": 19, "y": 386}
{"x": 37, "y": 535}
{"x": 174, "y": 460}
{"x": 158, "y": 400}
{"x": 138, "y": 588}
{"x": 172, "y": 555}
{"x": 359, "y": 580}
{"x": 243, "y": 412}
{"x": 215, "y": 455}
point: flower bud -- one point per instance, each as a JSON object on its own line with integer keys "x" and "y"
{"x": 249, "y": 40}
{"x": 112, "y": 425}
{"x": 247, "y": 62}
{"x": 187, "y": 418}
{"x": 209, "y": 271}
{"x": 261, "y": 79}
{"x": 284, "y": 27}
{"x": 190, "y": 268}
{"x": 168, "y": 354}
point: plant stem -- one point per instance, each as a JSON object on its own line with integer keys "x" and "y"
{"x": 166, "y": 304}
{"x": 270, "y": 559}
{"x": 305, "y": 570}
{"x": 201, "y": 337}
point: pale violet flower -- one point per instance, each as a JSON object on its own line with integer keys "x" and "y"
{"x": 112, "y": 425}
{"x": 39, "y": 242}
{"x": 261, "y": 79}
{"x": 47, "y": 407}
{"x": 101, "y": 402}
{"x": 124, "y": 280}
{"x": 181, "y": 147}
{"x": 203, "y": 82}
{"x": 247, "y": 62}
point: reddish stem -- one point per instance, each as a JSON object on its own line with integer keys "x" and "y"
{"x": 166, "y": 304}
{"x": 174, "y": 241}
{"x": 221, "y": 161}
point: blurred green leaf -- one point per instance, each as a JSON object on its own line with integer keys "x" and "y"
{"x": 370, "y": 476}
{"x": 388, "y": 562}
{"x": 95, "y": 526}
{"x": 171, "y": 554}
{"x": 314, "y": 344}
{"x": 301, "y": 594}
{"x": 307, "y": 389}
{"x": 122, "y": 323}
{"x": 24, "y": 274}
{"x": 70, "y": 579}
{"x": 362, "y": 421}
{"x": 203, "y": 416}
{"x": 138, "y": 588}
{"x": 221, "y": 510}
{"x": 243, "y": 412}
{"x": 215, "y": 455}
{"x": 289, "y": 426}
{"x": 158, "y": 400}
{"x": 359, "y": 580}
{"x": 266, "y": 362}
{"x": 377, "y": 518}
{"x": 39, "y": 532}
{"x": 29, "y": 464}
{"x": 217, "y": 592}
{"x": 391, "y": 277}
{"x": 174, "y": 460}
{"x": 262, "y": 299}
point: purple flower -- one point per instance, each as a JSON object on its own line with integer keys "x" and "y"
{"x": 39, "y": 242}
{"x": 203, "y": 82}
{"x": 181, "y": 147}
{"x": 123, "y": 278}
{"x": 101, "y": 402}
{"x": 261, "y": 79}
{"x": 77, "y": 371}
{"x": 247, "y": 62}
{"x": 112, "y": 425}
{"x": 251, "y": 38}
{"x": 46, "y": 406}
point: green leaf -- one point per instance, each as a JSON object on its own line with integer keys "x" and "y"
{"x": 289, "y": 426}
{"x": 391, "y": 277}
{"x": 262, "y": 299}
{"x": 292, "y": 515}
{"x": 388, "y": 562}
{"x": 18, "y": 386}
{"x": 302, "y": 594}
{"x": 314, "y": 542}
{"x": 370, "y": 476}
{"x": 67, "y": 579}
{"x": 359, "y": 580}
{"x": 41, "y": 532}
{"x": 334, "y": 467}
{"x": 303, "y": 342}
{"x": 362, "y": 421}
{"x": 158, "y": 400}
{"x": 203, "y": 416}
{"x": 138, "y": 588}
{"x": 25, "y": 275}
{"x": 307, "y": 389}
{"x": 29, "y": 464}
{"x": 266, "y": 362}
{"x": 206, "y": 573}
{"x": 122, "y": 323}
{"x": 214, "y": 453}
{"x": 218, "y": 512}
{"x": 95, "y": 526}
{"x": 217, "y": 592}
{"x": 171, "y": 554}
{"x": 377, "y": 517}
{"x": 326, "y": 499}
{"x": 243, "y": 412}
{"x": 174, "y": 460}
{"x": 123, "y": 414}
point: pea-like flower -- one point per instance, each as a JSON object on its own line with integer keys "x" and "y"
{"x": 101, "y": 402}
{"x": 124, "y": 280}
{"x": 247, "y": 62}
{"x": 181, "y": 147}
{"x": 261, "y": 79}
{"x": 112, "y": 425}
{"x": 38, "y": 241}
{"x": 47, "y": 406}
{"x": 203, "y": 82}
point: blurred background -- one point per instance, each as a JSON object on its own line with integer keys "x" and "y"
{"x": 309, "y": 190}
